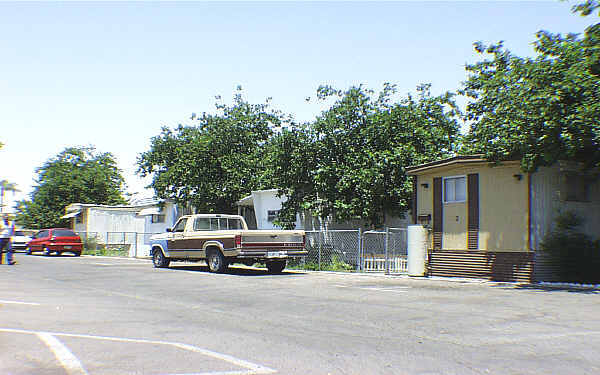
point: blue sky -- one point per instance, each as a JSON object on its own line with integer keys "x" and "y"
{"x": 112, "y": 74}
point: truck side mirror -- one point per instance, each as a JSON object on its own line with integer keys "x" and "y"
{"x": 169, "y": 229}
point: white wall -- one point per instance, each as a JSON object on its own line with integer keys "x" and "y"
{"x": 171, "y": 216}
{"x": 263, "y": 202}
{"x": 107, "y": 220}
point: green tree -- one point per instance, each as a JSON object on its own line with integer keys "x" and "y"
{"x": 350, "y": 163}
{"x": 538, "y": 109}
{"x": 293, "y": 162}
{"x": 587, "y": 7}
{"x": 76, "y": 175}
{"x": 214, "y": 163}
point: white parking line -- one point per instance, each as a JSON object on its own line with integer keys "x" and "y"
{"x": 69, "y": 362}
{"x": 377, "y": 289}
{"x": 394, "y": 289}
{"x": 20, "y": 303}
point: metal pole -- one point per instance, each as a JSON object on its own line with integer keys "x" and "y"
{"x": 387, "y": 245}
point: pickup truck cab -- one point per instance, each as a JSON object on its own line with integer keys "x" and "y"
{"x": 224, "y": 239}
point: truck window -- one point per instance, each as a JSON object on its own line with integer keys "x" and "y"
{"x": 234, "y": 224}
{"x": 202, "y": 223}
{"x": 223, "y": 224}
{"x": 180, "y": 226}
{"x": 214, "y": 223}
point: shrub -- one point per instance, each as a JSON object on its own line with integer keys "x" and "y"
{"x": 336, "y": 264}
{"x": 576, "y": 254}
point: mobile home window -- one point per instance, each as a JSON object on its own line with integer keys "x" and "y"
{"x": 158, "y": 219}
{"x": 577, "y": 187}
{"x": 272, "y": 215}
{"x": 455, "y": 189}
{"x": 79, "y": 218}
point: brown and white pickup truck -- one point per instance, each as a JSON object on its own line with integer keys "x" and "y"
{"x": 224, "y": 239}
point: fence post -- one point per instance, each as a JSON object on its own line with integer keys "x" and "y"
{"x": 359, "y": 263}
{"x": 320, "y": 248}
{"x": 387, "y": 254}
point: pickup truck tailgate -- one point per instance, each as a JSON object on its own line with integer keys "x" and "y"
{"x": 285, "y": 240}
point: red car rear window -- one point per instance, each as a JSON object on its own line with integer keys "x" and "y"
{"x": 64, "y": 233}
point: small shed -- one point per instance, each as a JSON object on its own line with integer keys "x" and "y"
{"x": 488, "y": 220}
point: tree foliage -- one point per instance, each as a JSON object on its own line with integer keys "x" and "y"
{"x": 538, "y": 109}
{"x": 213, "y": 164}
{"x": 350, "y": 162}
{"x": 587, "y": 7}
{"x": 76, "y": 175}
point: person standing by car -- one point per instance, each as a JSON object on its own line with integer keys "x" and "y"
{"x": 7, "y": 229}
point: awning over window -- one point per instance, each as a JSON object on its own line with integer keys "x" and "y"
{"x": 149, "y": 211}
{"x": 70, "y": 215}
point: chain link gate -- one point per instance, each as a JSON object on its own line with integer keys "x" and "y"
{"x": 385, "y": 251}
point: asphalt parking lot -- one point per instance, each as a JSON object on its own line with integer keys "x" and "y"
{"x": 95, "y": 315}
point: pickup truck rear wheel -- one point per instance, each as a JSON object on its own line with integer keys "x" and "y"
{"x": 159, "y": 260}
{"x": 276, "y": 266}
{"x": 216, "y": 261}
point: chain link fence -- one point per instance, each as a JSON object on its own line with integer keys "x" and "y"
{"x": 332, "y": 250}
{"x": 125, "y": 244}
{"x": 335, "y": 250}
{"x": 354, "y": 250}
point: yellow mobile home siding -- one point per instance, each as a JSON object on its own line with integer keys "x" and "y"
{"x": 503, "y": 206}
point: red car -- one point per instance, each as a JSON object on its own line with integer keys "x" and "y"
{"x": 55, "y": 240}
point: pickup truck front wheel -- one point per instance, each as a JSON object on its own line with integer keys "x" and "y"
{"x": 276, "y": 266}
{"x": 159, "y": 260}
{"x": 216, "y": 261}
